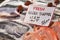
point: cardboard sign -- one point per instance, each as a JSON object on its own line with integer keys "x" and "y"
{"x": 39, "y": 15}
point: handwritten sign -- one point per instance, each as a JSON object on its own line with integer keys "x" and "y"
{"x": 39, "y": 15}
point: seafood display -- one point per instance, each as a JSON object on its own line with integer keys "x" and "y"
{"x": 13, "y": 27}
{"x": 43, "y": 33}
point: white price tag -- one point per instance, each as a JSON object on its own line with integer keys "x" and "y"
{"x": 39, "y": 15}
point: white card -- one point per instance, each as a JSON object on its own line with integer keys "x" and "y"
{"x": 39, "y": 15}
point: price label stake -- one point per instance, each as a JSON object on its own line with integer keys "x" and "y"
{"x": 39, "y": 15}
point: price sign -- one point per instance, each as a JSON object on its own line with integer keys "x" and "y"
{"x": 39, "y": 15}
